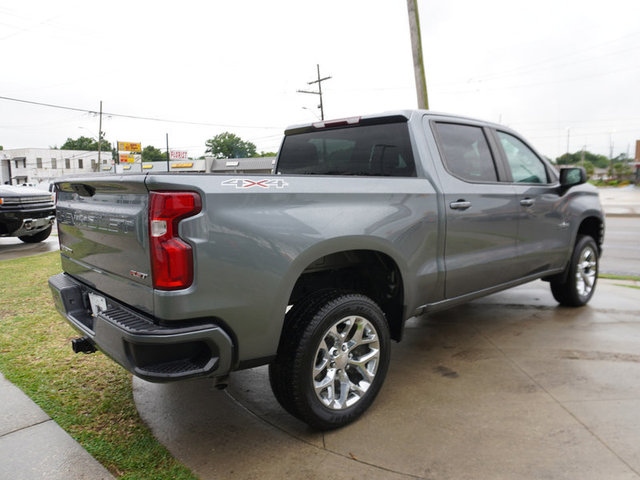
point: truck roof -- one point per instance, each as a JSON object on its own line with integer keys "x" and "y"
{"x": 382, "y": 117}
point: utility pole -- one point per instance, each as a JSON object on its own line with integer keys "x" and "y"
{"x": 416, "y": 48}
{"x": 100, "y": 136}
{"x": 319, "y": 92}
{"x": 167, "y": 152}
{"x": 611, "y": 147}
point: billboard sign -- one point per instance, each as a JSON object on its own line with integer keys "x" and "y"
{"x": 129, "y": 147}
{"x": 178, "y": 155}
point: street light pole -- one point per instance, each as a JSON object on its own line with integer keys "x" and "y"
{"x": 100, "y": 136}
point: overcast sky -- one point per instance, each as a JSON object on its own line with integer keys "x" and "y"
{"x": 557, "y": 71}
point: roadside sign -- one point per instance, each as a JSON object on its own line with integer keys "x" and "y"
{"x": 129, "y": 147}
{"x": 129, "y": 152}
{"x": 178, "y": 155}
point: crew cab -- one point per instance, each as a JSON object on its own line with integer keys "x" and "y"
{"x": 367, "y": 221}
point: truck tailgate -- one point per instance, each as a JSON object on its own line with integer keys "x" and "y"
{"x": 103, "y": 231}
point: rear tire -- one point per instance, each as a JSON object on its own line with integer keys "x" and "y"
{"x": 332, "y": 359}
{"x": 37, "y": 237}
{"x": 580, "y": 283}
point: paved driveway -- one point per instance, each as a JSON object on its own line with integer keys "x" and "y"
{"x": 13, "y": 247}
{"x": 510, "y": 386}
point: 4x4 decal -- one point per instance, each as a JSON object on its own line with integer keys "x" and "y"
{"x": 248, "y": 183}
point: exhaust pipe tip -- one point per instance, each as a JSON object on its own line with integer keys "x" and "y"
{"x": 221, "y": 383}
{"x": 82, "y": 345}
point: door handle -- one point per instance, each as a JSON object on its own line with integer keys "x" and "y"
{"x": 460, "y": 205}
{"x": 527, "y": 202}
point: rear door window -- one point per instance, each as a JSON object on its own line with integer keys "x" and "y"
{"x": 367, "y": 150}
{"x": 466, "y": 152}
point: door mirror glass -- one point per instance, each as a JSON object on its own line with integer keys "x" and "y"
{"x": 572, "y": 176}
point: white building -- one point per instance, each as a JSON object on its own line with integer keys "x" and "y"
{"x": 258, "y": 165}
{"x": 42, "y": 165}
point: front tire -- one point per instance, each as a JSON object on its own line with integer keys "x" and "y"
{"x": 580, "y": 283}
{"x": 332, "y": 360}
{"x": 37, "y": 237}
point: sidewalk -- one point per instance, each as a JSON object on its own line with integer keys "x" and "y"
{"x": 620, "y": 202}
{"x": 33, "y": 446}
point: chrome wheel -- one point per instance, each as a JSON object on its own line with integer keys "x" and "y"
{"x": 332, "y": 358}
{"x": 346, "y": 362}
{"x": 586, "y": 272}
{"x": 576, "y": 287}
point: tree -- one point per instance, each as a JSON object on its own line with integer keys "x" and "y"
{"x": 590, "y": 169}
{"x": 267, "y": 154}
{"x": 621, "y": 171}
{"x": 86, "y": 143}
{"x": 598, "y": 161}
{"x": 622, "y": 158}
{"x": 228, "y": 145}
{"x": 152, "y": 154}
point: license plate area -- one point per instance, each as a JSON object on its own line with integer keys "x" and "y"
{"x": 98, "y": 303}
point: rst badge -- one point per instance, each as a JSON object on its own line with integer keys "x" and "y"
{"x": 137, "y": 274}
{"x": 248, "y": 183}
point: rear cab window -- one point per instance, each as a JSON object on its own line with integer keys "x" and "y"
{"x": 363, "y": 150}
{"x": 466, "y": 152}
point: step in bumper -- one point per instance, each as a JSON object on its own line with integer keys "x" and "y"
{"x": 150, "y": 351}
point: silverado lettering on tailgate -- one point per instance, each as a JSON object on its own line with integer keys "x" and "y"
{"x": 97, "y": 221}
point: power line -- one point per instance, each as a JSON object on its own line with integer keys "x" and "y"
{"x": 477, "y": 87}
{"x": 550, "y": 61}
{"x": 135, "y": 117}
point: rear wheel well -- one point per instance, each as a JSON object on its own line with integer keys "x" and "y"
{"x": 368, "y": 272}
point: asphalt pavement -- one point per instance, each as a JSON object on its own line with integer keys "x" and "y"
{"x": 509, "y": 386}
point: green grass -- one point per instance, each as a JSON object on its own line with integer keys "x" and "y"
{"x": 631, "y": 278}
{"x": 627, "y": 286}
{"x": 87, "y": 395}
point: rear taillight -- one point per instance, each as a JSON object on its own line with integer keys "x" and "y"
{"x": 171, "y": 257}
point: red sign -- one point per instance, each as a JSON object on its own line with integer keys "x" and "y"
{"x": 178, "y": 155}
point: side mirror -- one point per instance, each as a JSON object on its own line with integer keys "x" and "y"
{"x": 572, "y": 176}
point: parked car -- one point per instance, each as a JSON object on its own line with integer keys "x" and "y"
{"x": 26, "y": 212}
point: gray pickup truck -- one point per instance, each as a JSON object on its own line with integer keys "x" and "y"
{"x": 367, "y": 222}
